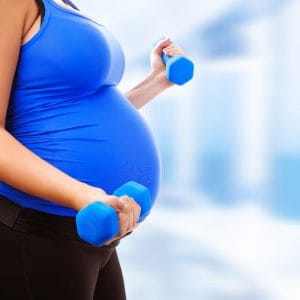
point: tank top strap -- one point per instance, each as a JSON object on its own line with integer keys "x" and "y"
{"x": 46, "y": 5}
{"x": 69, "y": 2}
{"x": 72, "y": 10}
{"x": 60, "y": 6}
{"x": 45, "y": 2}
{"x": 43, "y": 26}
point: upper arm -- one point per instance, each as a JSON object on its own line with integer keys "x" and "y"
{"x": 12, "y": 21}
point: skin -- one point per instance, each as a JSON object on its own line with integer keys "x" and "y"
{"x": 19, "y": 167}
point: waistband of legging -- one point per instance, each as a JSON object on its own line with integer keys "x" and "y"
{"x": 33, "y": 221}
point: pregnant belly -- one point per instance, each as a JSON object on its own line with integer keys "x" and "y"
{"x": 101, "y": 140}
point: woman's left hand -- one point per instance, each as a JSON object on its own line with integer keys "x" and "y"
{"x": 156, "y": 81}
{"x": 157, "y": 65}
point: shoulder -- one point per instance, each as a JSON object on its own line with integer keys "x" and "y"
{"x": 15, "y": 7}
{"x": 17, "y": 15}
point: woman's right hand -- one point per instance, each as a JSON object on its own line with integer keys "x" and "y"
{"x": 127, "y": 209}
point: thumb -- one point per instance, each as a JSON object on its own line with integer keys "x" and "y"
{"x": 116, "y": 203}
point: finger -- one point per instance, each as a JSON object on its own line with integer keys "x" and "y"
{"x": 170, "y": 47}
{"x": 137, "y": 211}
{"x": 115, "y": 203}
{"x": 160, "y": 45}
{"x": 173, "y": 51}
{"x": 124, "y": 223}
{"x": 134, "y": 212}
{"x": 136, "y": 225}
{"x": 128, "y": 205}
{"x": 132, "y": 208}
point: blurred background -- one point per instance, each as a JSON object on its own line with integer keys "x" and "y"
{"x": 226, "y": 224}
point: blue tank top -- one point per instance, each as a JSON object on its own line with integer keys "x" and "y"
{"x": 66, "y": 108}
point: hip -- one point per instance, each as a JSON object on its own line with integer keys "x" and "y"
{"x": 18, "y": 219}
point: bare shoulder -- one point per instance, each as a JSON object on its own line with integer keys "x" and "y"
{"x": 15, "y": 7}
{"x": 16, "y": 17}
{"x": 18, "y": 13}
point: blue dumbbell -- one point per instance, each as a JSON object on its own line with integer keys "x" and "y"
{"x": 98, "y": 223}
{"x": 179, "y": 69}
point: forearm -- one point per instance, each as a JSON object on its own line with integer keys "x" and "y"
{"x": 147, "y": 89}
{"x": 25, "y": 171}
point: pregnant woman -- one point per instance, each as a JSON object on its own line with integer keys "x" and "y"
{"x": 68, "y": 137}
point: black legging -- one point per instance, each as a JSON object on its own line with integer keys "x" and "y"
{"x": 42, "y": 257}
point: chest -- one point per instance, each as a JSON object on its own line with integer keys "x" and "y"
{"x": 71, "y": 51}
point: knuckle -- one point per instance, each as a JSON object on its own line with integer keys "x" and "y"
{"x": 112, "y": 198}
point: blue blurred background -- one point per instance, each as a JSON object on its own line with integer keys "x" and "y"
{"x": 226, "y": 222}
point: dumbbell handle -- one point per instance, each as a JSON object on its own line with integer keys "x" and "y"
{"x": 98, "y": 222}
